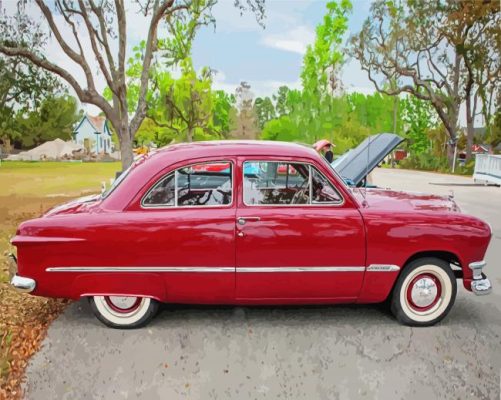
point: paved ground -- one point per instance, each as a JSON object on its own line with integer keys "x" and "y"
{"x": 341, "y": 352}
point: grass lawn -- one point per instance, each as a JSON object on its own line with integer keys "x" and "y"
{"x": 27, "y": 189}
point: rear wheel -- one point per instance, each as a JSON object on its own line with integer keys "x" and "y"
{"x": 123, "y": 312}
{"x": 424, "y": 293}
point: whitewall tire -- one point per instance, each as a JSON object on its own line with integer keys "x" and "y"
{"x": 424, "y": 292}
{"x": 123, "y": 312}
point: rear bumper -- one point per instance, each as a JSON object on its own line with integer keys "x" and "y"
{"x": 20, "y": 283}
{"x": 23, "y": 284}
{"x": 480, "y": 284}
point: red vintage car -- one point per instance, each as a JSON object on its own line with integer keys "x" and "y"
{"x": 173, "y": 229}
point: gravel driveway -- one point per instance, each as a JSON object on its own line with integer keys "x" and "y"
{"x": 338, "y": 352}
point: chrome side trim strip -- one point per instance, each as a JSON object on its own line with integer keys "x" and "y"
{"x": 301, "y": 269}
{"x": 370, "y": 268}
{"x": 382, "y": 268}
{"x": 140, "y": 269}
{"x": 205, "y": 269}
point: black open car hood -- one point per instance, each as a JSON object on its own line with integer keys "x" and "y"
{"x": 356, "y": 164}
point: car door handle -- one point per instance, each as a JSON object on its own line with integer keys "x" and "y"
{"x": 243, "y": 220}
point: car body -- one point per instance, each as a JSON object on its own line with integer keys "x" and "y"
{"x": 237, "y": 222}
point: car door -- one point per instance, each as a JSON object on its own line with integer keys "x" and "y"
{"x": 297, "y": 238}
{"x": 183, "y": 229}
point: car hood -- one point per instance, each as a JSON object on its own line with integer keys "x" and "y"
{"x": 80, "y": 205}
{"x": 354, "y": 165}
{"x": 396, "y": 201}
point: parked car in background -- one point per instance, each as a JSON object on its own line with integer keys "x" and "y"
{"x": 250, "y": 223}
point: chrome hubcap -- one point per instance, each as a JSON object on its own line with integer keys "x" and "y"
{"x": 424, "y": 292}
{"x": 123, "y": 302}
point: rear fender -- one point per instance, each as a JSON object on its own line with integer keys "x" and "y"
{"x": 124, "y": 284}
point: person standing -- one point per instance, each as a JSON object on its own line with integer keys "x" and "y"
{"x": 324, "y": 147}
{"x": 328, "y": 154}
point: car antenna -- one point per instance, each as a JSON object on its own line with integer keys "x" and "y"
{"x": 367, "y": 170}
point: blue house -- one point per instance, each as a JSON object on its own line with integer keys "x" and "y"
{"x": 94, "y": 134}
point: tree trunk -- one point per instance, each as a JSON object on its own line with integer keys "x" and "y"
{"x": 126, "y": 152}
{"x": 469, "y": 129}
{"x": 451, "y": 143}
{"x": 189, "y": 135}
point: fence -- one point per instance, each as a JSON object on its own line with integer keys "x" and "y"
{"x": 487, "y": 168}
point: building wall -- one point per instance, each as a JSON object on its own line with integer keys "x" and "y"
{"x": 95, "y": 143}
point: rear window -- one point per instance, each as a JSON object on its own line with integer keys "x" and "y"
{"x": 117, "y": 182}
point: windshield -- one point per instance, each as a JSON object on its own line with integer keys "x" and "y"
{"x": 331, "y": 167}
{"x": 116, "y": 182}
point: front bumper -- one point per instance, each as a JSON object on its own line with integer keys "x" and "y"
{"x": 480, "y": 284}
{"x": 20, "y": 283}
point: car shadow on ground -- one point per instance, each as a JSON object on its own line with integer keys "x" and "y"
{"x": 464, "y": 313}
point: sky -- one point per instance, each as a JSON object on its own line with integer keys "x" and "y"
{"x": 239, "y": 49}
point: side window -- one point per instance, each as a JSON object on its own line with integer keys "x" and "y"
{"x": 162, "y": 194}
{"x": 322, "y": 189}
{"x": 204, "y": 184}
{"x": 208, "y": 184}
{"x": 276, "y": 183}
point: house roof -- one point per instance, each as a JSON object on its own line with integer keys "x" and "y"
{"x": 97, "y": 122}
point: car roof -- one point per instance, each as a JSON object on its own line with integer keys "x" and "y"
{"x": 150, "y": 165}
{"x": 216, "y": 148}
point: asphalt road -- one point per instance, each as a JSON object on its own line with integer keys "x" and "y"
{"x": 334, "y": 352}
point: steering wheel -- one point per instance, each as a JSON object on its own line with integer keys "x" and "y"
{"x": 300, "y": 194}
{"x": 209, "y": 195}
{"x": 225, "y": 195}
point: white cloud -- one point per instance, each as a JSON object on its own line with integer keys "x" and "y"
{"x": 260, "y": 88}
{"x": 295, "y": 40}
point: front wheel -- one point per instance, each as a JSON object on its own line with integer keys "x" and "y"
{"x": 123, "y": 312}
{"x": 424, "y": 293}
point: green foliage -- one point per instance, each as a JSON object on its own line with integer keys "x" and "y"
{"x": 265, "y": 110}
{"x": 184, "y": 108}
{"x": 224, "y": 112}
{"x": 346, "y": 120}
{"x": 425, "y": 162}
{"x": 54, "y": 118}
{"x": 281, "y": 98}
{"x": 324, "y": 58}
{"x": 494, "y": 132}
{"x": 418, "y": 117}
{"x": 283, "y": 129}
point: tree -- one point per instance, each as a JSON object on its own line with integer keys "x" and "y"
{"x": 322, "y": 63}
{"x": 246, "y": 123}
{"x": 264, "y": 109}
{"x": 419, "y": 118}
{"x": 493, "y": 136}
{"x": 480, "y": 52}
{"x": 55, "y": 117}
{"x": 418, "y": 48}
{"x": 281, "y": 103}
{"x": 282, "y": 128}
{"x": 23, "y": 86}
{"x": 188, "y": 100}
{"x": 224, "y": 113}
{"x": 105, "y": 25}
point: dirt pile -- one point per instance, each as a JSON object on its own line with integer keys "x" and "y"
{"x": 54, "y": 150}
